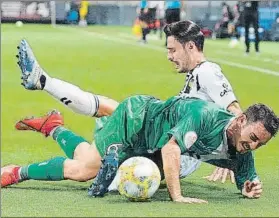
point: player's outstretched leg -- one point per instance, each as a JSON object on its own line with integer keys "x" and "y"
{"x": 44, "y": 124}
{"x": 83, "y": 161}
{"x": 55, "y": 169}
{"x": 50, "y": 170}
{"x": 32, "y": 75}
{"x": 52, "y": 125}
{"x": 82, "y": 102}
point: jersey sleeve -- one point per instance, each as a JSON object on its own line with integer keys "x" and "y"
{"x": 245, "y": 169}
{"x": 187, "y": 131}
{"x": 217, "y": 86}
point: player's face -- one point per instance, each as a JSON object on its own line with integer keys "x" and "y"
{"x": 178, "y": 54}
{"x": 251, "y": 137}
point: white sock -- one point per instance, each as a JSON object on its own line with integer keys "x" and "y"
{"x": 19, "y": 177}
{"x": 72, "y": 96}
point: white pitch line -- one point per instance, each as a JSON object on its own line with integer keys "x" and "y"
{"x": 248, "y": 67}
{"x": 158, "y": 48}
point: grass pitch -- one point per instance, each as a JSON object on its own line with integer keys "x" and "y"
{"x": 109, "y": 61}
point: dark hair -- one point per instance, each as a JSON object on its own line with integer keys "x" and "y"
{"x": 265, "y": 115}
{"x": 185, "y": 31}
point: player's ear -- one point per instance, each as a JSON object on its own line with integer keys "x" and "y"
{"x": 242, "y": 119}
{"x": 191, "y": 45}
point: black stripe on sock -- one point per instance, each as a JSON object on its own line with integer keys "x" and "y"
{"x": 68, "y": 102}
{"x": 63, "y": 99}
{"x": 96, "y": 105}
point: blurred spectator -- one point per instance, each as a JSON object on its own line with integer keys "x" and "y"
{"x": 251, "y": 16}
{"x": 234, "y": 25}
{"x": 173, "y": 9}
{"x": 274, "y": 32}
{"x": 224, "y": 28}
{"x": 152, "y": 10}
{"x": 144, "y": 19}
{"x": 227, "y": 17}
{"x": 73, "y": 15}
{"x": 160, "y": 17}
{"x": 83, "y": 11}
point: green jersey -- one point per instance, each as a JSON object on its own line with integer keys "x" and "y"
{"x": 144, "y": 124}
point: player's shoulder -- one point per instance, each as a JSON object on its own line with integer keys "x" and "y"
{"x": 212, "y": 111}
{"x": 209, "y": 70}
{"x": 209, "y": 66}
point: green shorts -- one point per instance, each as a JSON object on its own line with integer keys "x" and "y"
{"x": 125, "y": 126}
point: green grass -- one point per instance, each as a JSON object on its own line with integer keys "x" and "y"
{"x": 108, "y": 61}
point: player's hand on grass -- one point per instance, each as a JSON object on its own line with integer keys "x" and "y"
{"x": 252, "y": 189}
{"x": 221, "y": 174}
{"x": 190, "y": 200}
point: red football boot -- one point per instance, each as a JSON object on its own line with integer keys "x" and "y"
{"x": 42, "y": 124}
{"x": 9, "y": 175}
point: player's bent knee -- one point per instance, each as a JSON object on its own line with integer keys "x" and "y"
{"x": 79, "y": 171}
{"x": 81, "y": 151}
{"x": 106, "y": 106}
{"x": 88, "y": 153}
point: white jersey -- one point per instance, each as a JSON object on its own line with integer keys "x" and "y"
{"x": 207, "y": 82}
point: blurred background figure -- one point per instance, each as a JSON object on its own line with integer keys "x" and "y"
{"x": 173, "y": 10}
{"x": 144, "y": 19}
{"x": 234, "y": 24}
{"x": 251, "y": 16}
{"x": 83, "y": 11}
{"x": 72, "y": 13}
{"x": 160, "y": 17}
{"x": 152, "y": 11}
{"x": 225, "y": 24}
{"x": 227, "y": 17}
{"x": 137, "y": 31}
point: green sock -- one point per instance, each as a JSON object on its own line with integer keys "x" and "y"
{"x": 67, "y": 140}
{"x": 51, "y": 170}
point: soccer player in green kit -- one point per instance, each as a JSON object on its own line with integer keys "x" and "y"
{"x": 142, "y": 125}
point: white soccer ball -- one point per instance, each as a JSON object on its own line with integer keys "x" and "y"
{"x": 138, "y": 178}
{"x": 19, "y": 23}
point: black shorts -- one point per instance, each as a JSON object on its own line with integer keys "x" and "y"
{"x": 152, "y": 14}
{"x": 172, "y": 15}
{"x": 144, "y": 17}
{"x": 148, "y": 17}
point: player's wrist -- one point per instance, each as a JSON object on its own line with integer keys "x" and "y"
{"x": 177, "y": 198}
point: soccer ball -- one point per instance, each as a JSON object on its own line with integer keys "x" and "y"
{"x": 19, "y": 23}
{"x": 138, "y": 178}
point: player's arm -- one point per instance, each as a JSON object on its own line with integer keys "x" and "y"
{"x": 234, "y": 107}
{"x": 171, "y": 164}
{"x": 220, "y": 91}
{"x": 246, "y": 177}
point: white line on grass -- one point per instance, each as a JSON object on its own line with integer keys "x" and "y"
{"x": 248, "y": 67}
{"x": 129, "y": 36}
{"x": 157, "y": 48}
{"x": 259, "y": 58}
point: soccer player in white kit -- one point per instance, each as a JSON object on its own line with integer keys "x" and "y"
{"x": 204, "y": 80}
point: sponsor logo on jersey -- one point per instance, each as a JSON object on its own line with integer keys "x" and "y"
{"x": 225, "y": 90}
{"x": 190, "y": 138}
